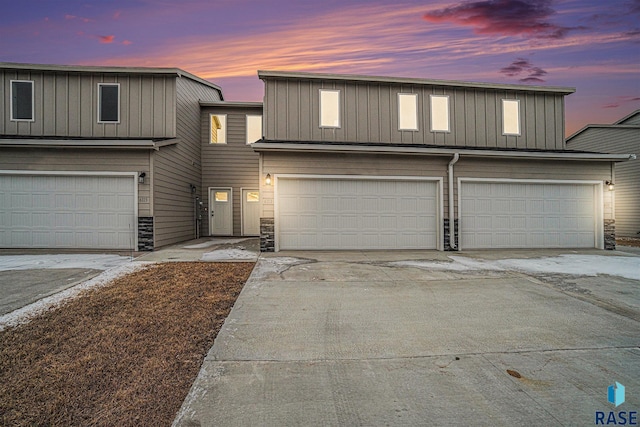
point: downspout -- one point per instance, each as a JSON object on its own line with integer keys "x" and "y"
{"x": 452, "y": 223}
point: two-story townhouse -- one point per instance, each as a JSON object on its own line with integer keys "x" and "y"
{"x": 231, "y": 191}
{"x": 361, "y": 162}
{"x": 99, "y": 157}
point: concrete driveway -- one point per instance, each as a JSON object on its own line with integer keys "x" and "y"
{"x": 424, "y": 338}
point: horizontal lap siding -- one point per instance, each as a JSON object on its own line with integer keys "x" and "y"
{"x": 231, "y": 165}
{"x": 178, "y": 166}
{"x": 66, "y": 105}
{"x": 81, "y": 160}
{"x": 369, "y": 113}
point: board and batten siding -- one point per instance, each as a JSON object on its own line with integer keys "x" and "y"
{"x": 92, "y": 160}
{"x": 66, "y": 105}
{"x": 369, "y": 114}
{"x": 232, "y": 165}
{"x": 627, "y": 174}
{"x": 178, "y": 166}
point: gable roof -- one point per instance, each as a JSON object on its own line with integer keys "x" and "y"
{"x": 177, "y": 72}
{"x": 620, "y": 124}
{"x": 405, "y": 80}
{"x": 627, "y": 117}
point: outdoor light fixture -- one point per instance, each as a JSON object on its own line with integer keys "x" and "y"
{"x": 141, "y": 177}
{"x": 267, "y": 180}
{"x": 610, "y": 184}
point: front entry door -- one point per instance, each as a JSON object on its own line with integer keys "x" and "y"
{"x": 221, "y": 212}
{"x": 250, "y": 212}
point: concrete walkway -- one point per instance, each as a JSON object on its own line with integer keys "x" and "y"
{"x": 372, "y": 338}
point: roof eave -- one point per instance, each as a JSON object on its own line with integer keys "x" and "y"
{"x": 109, "y": 144}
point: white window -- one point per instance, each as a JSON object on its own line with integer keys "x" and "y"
{"x": 329, "y": 108}
{"x": 253, "y": 196}
{"x": 510, "y": 117}
{"x": 407, "y": 111}
{"x": 22, "y": 100}
{"x": 218, "y": 134}
{"x": 108, "y": 102}
{"x": 439, "y": 113}
{"x": 254, "y": 128}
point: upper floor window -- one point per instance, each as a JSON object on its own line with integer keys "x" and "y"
{"x": 22, "y": 100}
{"x": 254, "y": 128}
{"x": 510, "y": 117}
{"x": 108, "y": 102}
{"x": 218, "y": 134}
{"x": 439, "y": 113}
{"x": 407, "y": 111}
{"x": 329, "y": 108}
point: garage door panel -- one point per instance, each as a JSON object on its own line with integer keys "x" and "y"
{"x": 357, "y": 214}
{"x": 533, "y": 215}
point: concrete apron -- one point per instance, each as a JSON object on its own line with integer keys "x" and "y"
{"x": 352, "y": 339}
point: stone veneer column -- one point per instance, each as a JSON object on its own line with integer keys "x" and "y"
{"x": 145, "y": 233}
{"x": 610, "y": 234}
{"x": 267, "y": 235}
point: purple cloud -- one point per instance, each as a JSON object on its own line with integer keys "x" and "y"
{"x": 504, "y": 17}
{"x": 522, "y": 66}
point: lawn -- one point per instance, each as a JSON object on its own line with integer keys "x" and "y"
{"x": 123, "y": 354}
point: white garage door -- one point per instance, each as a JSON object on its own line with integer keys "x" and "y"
{"x": 87, "y": 212}
{"x": 356, "y": 214}
{"x": 527, "y": 215}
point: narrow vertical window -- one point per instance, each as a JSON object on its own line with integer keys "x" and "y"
{"x": 439, "y": 113}
{"x": 108, "y": 102}
{"x": 510, "y": 117}
{"x": 22, "y": 100}
{"x": 218, "y": 133}
{"x": 254, "y": 128}
{"x": 329, "y": 108}
{"x": 407, "y": 111}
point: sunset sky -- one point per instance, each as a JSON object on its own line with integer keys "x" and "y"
{"x": 591, "y": 45}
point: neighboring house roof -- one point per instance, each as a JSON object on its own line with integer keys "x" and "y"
{"x": 103, "y": 143}
{"x": 411, "y": 149}
{"x": 617, "y": 125}
{"x": 109, "y": 70}
{"x": 403, "y": 80}
{"x": 231, "y": 104}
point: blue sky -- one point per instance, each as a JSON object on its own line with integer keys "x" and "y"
{"x": 591, "y": 45}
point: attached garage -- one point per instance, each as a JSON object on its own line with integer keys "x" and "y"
{"x": 68, "y": 210}
{"x": 527, "y": 214}
{"x": 357, "y": 213}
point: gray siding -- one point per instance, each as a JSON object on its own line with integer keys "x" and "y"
{"x": 627, "y": 174}
{"x": 369, "y": 114}
{"x": 231, "y": 165}
{"x": 82, "y": 160}
{"x": 178, "y": 166}
{"x": 66, "y": 105}
{"x": 634, "y": 119}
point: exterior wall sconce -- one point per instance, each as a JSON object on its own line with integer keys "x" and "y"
{"x": 610, "y": 185}
{"x": 192, "y": 188}
{"x": 267, "y": 180}
{"x": 141, "y": 177}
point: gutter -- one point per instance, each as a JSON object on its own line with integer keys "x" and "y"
{"x": 452, "y": 223}
{"x": 140, "y": 144}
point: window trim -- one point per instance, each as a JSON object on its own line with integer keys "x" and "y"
{"x": 247, "y": 127}
{"x": 224, "y": 127}
{"x": 431, "y": 109}
{"x": 415, "y": 98}
{"x": 518, "y": 118}
{"x": 33, "y": 114}
{"x": 339, "y": 125}
{"x": 100, "y": 85}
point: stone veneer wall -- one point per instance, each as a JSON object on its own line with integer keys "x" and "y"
{"x": 267, "y": 235}
{"x": 145, "y": 233}
{"x": 610, "y": 234}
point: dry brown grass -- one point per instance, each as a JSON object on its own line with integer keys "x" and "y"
{"x": 628, "y": 241}
{"x": 125, "y": 354}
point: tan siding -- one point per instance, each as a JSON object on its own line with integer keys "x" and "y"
{"x": 369, "y": 113}
{"x": 81, "y": 160}
{"x": 178, "y": 166}
{"x": 232, "y": 165}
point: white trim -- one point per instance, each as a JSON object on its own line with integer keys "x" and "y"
{"x": 598, "y": 195}
{"x": 431, "y": 109}
{"x": 415, "y": 107}
{"x": 33, "y": 113}
{"x": 223, "y": 128}
{"x": 518, "y": 118}
{"x": 211, "y": 201}
{"x": 242, "y": 201}
{"x": 133, "y": 175}
{"x": 339, "y": 125}
{"x": 100, "y": 102}
{"x": 247, "y": 128}
{"x": 437, "y": 179}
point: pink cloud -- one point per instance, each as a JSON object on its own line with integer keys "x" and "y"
{"x": 106, "y": 39}
{"x": 523, "y": 66}
{"x": 117, "y": 14}
{"x": 69, "y": 17}
{"x": 504, "y": 17}
{"x": 622, "y": 100}
{"x": 127, "y": 42}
